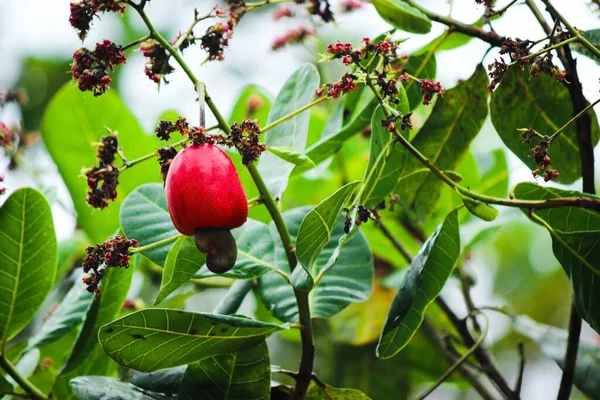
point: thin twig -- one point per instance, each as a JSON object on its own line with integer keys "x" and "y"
{"x": 519, "y": 382}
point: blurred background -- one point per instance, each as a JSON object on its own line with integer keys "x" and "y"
{"x": 512, "y": 266}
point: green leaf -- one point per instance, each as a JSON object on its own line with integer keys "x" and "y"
{"x": 480, "y": 209}
{"x": 318, "y": 392}
{"x": 87, "y": 357}
{"x": 423, "y": 66}
{"x": 593, "y": 36}
{"x": 350, "y": 282}
{"x": 183, "y": 261}
{"x": 165, "y": 381}
{"x": 427, "y": 274}
{"x": 359, "y": 107}
{"x": 102, "y": 387}
{"x": 386, "y": 163}
{"x": 579, "y": 255}
{"x": 314, "y": 232}
{"x": 292, "y": 156}
{"x": 69, "y": 314}
{"x": 256, "y": 253}
{"x": 253, "y": 103}
{"x": 72, "y": 122}
{"x": 152, "y": 339}
{"x": 242, "y": 375}
{"x": 28, "y": 255}
{"x": 564, "y": 219}
{"x": 145, "y": 218}
{"x": 5, "y": 386}
{"x": 403, "y": 16}
{"x": 495, "y": 180}
{"x": 444, "y": 139}
{"x": 577, "y": 232}
{"x": 545, "y": 105}
{"x": 297, "y": 91}
{"x": 553, "y": 343}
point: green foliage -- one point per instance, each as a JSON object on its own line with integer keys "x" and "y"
{"x": 314, "y": 232}
{"x": 480, "y": 209}
{"x": 100, "y": 387}
{"x": 356, "y": 111}
{"x": 350, "y": 281}
{"x": 593, "y": 36}
{"x": 292, "y": 156}
{"x": 183, "y": 261}
{"x": 403, "y": 16}
{"x": 145, "y": 217}
{"x": 72, "y": 122}
{"x": 427, "y": 274}
{"x": 296, "y": 92}
{"x": 87, "y": 357}
{"x": 444, "y": 139}
{"x": 316, "y": 392}
{"x": 69, "y": 315}
{"x": 545, "y": 105}
{"x": 576, "y": 233}
{"x": 387, "y": 160}
{"x": 242, "y": 375}
{"x": 152, "y": 339}
{"x": 28, "y": 256}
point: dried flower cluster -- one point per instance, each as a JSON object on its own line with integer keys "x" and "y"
{"x": 2, "y": 190}
{"x": 114, "y": 252}
{"x": 282, "y": 12}
{"x": 430, "y": 88}
{"x": 351, "y": 5}
{"x": 18, "y": 96}
{"x": 245, "y": 138}
{"x": 391, "y": 122}
{"x": 103, "y": 179}
{"x": 165, "y": 157}
{"x": 363, "y": 215}
{"x": 541, "y": 155}
{"x": 216, "y": 38}
{"x": 157, "y": 64}
{"x": 84, "y": 11}
{"x": 293, "y": 36}
{"x": 6, "y": 136}
{"x": 91, "y": 68}
{"x": 320, "y": 8}
{"x": 345, "y": 85}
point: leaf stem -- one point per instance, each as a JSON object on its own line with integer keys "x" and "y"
{"x": 136, "y": 42}
{"x": 582, "y": 202}
{"x": 575, "y": 32}
{"x": 575, "y": 118}
{"x": 294, "y": 113}
{"x": 545, "y": 50}
{"x": 156, "y": 244}
{"x": 458, "y": 362}
{"x": 10, "y": 369}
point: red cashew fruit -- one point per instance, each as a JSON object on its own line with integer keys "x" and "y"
{"x": 206, "y": 199}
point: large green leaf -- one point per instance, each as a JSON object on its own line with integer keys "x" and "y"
{"x": 386, "y": 163}
{"x": 423, "y": 282}
{"x": 494, "y": 181}
{"x": 314, "y": 232}
{"x": 102, "y": 387}
{"x": 402, "y": 15}
{"x": 423, "y": 66}
{"x": 87, "y": 357}
{"x": 145, "y": 218}
{"x": 165, "y": 381}
{"x": 444, "y": 139}
{"x": 72, "y": 122}
{"x": 358, "y": 107}
{"x": 577, "y": 234}
{"x": 350, "y": 281}
{"x": 253, "y": 103}
{"x": 545, "y": 105}
{"x": 565, "y": 219}
{"x": 69, "y": 314}
{"x": 28, "y": 255}
{"x": 553, "y": 342}
{"x": 242, "y": 375}
{"x": 256, "y": 253}
{"x": 297, "y": 91}
{"x": 183, "y": 261}
{"x": 152, "y": 339}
